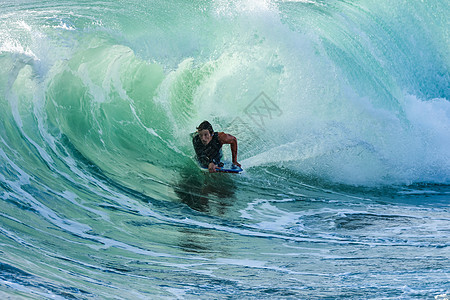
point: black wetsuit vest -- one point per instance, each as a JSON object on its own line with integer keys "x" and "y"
{"x": 212, "y": 152}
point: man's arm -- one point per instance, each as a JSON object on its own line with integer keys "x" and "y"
{"x": 225, "y": 138}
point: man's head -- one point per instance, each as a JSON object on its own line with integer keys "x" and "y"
{"x": 205, "y": 132}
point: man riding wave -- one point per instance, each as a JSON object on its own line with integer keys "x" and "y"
{"x": 208, "y": 146}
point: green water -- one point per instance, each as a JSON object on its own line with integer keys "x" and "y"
{"x": 342, "y": 116}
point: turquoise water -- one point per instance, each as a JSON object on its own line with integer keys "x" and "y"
{"x": 341, "y": 110}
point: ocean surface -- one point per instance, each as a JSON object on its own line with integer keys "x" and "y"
{"x": 342, "y": 113}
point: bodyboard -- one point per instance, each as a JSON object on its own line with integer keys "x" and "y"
{"x": 228, "y": 167}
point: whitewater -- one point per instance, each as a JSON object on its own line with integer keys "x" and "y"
{"x": 341, "y": 110}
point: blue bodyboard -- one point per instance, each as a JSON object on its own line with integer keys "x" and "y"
{"x": 228, "y": 167}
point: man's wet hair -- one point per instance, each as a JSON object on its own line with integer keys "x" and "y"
{"x": 205, "y": 125}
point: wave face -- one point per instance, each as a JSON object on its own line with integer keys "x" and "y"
{"x": 341, "y": 110}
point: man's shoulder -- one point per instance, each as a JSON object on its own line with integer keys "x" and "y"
{"x": 195, "y": 138}
{"x": 226, "y": 138}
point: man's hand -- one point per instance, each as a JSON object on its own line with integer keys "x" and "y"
{"x": 212, "y": 167}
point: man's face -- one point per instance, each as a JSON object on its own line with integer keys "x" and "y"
{"x": 205, "y": 136}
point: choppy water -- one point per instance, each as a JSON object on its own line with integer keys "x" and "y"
{"x": 341, "y": 110}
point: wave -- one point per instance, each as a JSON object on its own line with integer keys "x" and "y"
{"x": 337, "y": 105}
{"x": 355, "y": 93}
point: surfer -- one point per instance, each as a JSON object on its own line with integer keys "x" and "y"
{"x": 208, "y": 146}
